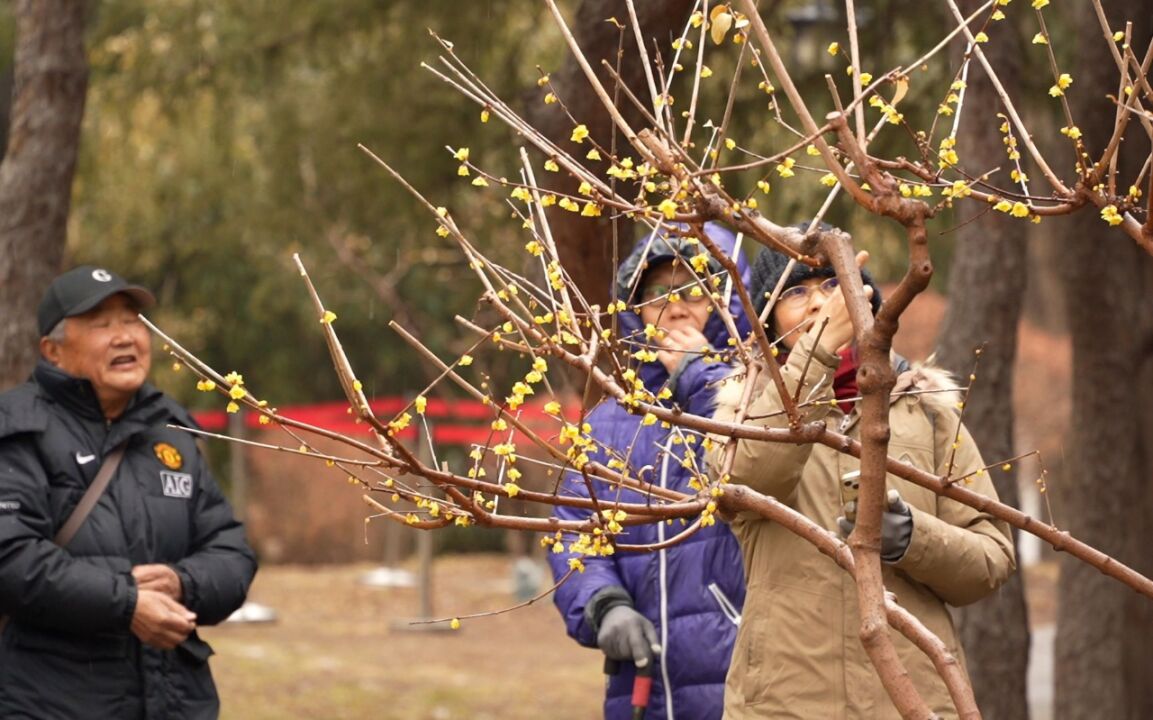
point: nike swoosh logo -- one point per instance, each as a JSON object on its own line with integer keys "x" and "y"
{"x": 84, "y": 459}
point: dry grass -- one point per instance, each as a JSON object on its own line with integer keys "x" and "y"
{"x": 335, "y": 651}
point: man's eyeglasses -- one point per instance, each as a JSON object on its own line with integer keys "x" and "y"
{"x": 663, "y": 294}
{"x": 800, "y": 294}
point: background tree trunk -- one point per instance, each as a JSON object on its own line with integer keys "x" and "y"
{"x": 986, "y": 289}
{"x": 51, "y": 79}
{"x": 5, "y": 107}
{"x": 1103, "y": 653}
{"x": 585, "y": 244}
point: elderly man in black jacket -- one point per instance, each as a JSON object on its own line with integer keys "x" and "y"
{"x": 101, "y": 617}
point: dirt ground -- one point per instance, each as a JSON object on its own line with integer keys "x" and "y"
{"x": 340, "y": 649}
{"x": 344, "y": 650}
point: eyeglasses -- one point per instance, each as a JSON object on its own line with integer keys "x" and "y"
{"x": 799, "y": 294}
{"x": 663, "y": 294}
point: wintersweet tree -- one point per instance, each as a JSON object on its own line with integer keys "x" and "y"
{"x": 683, "y": 167}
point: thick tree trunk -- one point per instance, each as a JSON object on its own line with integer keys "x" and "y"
{"x": 5, "y": 107}
{"x": 51, "y": 79}
{"x": 585, "y": 244}
{"x": 1103, "y": 653}
{"x": 986, "y": 288}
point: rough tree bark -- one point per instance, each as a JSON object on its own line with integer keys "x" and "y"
{"x": 51, "y": 80}
{"x": 585, "y": 244}
{"x": 986, "y": 287}
{"x": 1103, "y": 653}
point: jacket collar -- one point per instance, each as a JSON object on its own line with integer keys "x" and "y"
{"x": 78, "y": 397}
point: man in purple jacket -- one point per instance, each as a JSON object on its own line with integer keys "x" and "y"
{"x": 675, "y": 611}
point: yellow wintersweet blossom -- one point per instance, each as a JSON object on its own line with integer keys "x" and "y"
{"x": 484, "y": 114}
{"x": 981, "y": 37}
{"x": 465, "y": 360}
{"x": 551, "y": 165}
{"x": 522, "y": 194}
{"x": 455, "y": 624}
{"x": 400, "y": 423}
{"x": 1110, "y": 215}
{"x": 706, "y": 71}
{"x": 1071, "y": 132}
{"x": 1018, "y": 176}
{"x": 512, "y": 489}
{"x": 764, "y": 186}
{"x": 785, "y": 168}
{"x": 1003, "y": 206}
{"x": 1019, "y": 210}
{"x": 234, "y": 378}
{"x": 585, "y": 188}
{"x": 668, "y": 208}
{"x": 479, "y": 181}
{"x": 1040, "y": 39}
{"x": 730, "y": 143}
{"x": 834, "y": 48}
{"x": 649, "y": 419}
{"x": 998, "y": 15}
{"x": 232, "y": 407}
{"x": 569, "y": 204}
{"x": 264, "y": 420}
{"x": 593, "y": 154}
{"x": 1064, "y": 81}
{"x": 461, "y": 155}
{"x": 866, "y": 78}
{"x": 462, "y": 171}
{"x": 236, "y": 392}
{"x": 579, "y": 133}
{"x": 591, "y": 209}
{"x": 811, "y": 149}
{"x": 552, "y": 407}
{"x": 420, "y": 403}
{"x": 1118, "y": 36}
{"x": 829, "y": 180}
{"x": 1038, "y": 4}
{"x": 205, "y": 386}
{"x": 329, "y": 316}
{"x": 549, "y": 99}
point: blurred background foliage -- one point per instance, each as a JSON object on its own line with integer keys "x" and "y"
{"x": 221, "y": 137}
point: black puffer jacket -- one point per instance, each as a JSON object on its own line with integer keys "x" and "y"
{"x": 67, "y": 651}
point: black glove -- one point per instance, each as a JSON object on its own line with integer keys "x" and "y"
{"x": 625, "y": 634}
{"x": 896, "y": 526}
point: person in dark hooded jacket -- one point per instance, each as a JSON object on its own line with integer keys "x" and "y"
{"x": 105, "y": 627}
{"x": 673, "y": 612}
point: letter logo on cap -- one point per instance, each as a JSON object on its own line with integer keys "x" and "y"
{"x": 101, "y": 275}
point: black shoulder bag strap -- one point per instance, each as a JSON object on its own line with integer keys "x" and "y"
{"x": 91, "y": 497}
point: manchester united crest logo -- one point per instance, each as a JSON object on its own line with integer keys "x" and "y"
{"x": 168, "y": 455}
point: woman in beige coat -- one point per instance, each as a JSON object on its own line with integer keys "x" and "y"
{"x": 798, "y": 652}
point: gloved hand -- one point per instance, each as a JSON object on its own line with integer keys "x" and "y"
{"x": 896, "y": 526}
{"x": 625, "y": 634}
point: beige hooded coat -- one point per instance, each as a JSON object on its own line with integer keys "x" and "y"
{"x": 798, "y": 652}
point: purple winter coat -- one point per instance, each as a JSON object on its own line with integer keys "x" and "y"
{"x": 692, "y": 592}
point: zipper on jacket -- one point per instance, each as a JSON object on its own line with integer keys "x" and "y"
{"x": 727, "y": 606}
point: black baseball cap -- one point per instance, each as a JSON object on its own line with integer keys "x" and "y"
{"x": 81, "y": 289}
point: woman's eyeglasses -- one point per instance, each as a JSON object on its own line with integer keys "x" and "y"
{"x": 800, "y": 294}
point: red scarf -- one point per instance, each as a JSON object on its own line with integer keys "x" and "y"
{"x": 845, "y": 380}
